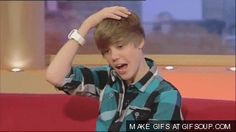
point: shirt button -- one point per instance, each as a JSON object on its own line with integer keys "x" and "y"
{"x": 126, "y": 103}
{"x": 111, "y": 95}
{"x": 112, "y": 78}
{"x": 136, "y": 114}
{"x": 131, "y": 86}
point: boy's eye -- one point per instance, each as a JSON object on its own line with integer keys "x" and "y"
{"x": 119, "y": 46}
{"x": 105, "y": 51}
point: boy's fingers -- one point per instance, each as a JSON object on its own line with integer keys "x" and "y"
{"x": 124, "y": 10}
{"x": 121, "y": 14}
{"x": 114, "y": 16}
{"x": 115, "y": 12}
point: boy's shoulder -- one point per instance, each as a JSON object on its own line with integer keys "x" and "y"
{"x": 165, "y": 85}
{"x": 92, "y": 68}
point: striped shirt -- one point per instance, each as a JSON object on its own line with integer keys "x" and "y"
{"x": 150, "y": 99}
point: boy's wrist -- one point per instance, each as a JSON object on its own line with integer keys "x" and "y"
{"x": 75, "y": 35}
{"x": 78, "y": 35}
{"x": 83, "y": 29}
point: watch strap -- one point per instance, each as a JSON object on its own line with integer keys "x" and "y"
{"x": 74, "y": 34}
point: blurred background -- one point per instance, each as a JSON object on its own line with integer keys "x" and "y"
{"x": 172, "y": 27}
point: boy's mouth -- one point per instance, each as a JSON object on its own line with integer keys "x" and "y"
{"x": 121, "y": 68}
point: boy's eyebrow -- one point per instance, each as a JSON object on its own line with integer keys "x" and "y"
{"x": 122, "y": 41}
{"x": 118, "y": 41}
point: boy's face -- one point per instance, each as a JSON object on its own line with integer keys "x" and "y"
{"x": 125, "y": 59}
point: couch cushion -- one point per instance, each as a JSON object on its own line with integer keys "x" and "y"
{"x": 47, "y": 112}
{"x": 206, "y": 109}
{"x": 57, "y": 112}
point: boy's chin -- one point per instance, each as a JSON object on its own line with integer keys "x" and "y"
{"x": 126, "y": 78}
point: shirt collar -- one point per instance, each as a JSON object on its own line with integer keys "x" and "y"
{"x": 140, "y": 85}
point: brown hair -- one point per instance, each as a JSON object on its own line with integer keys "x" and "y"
{"x": 112, "y": 32}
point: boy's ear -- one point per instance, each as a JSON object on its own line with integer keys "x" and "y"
{"x": 141, "y": 45}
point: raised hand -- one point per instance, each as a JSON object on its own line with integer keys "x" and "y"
{"x": 115, "y": 12}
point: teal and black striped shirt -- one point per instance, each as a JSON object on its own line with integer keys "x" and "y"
{"x": 150, "y": 99}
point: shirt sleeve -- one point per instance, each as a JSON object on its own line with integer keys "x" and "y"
{"x": 85, "y": 81}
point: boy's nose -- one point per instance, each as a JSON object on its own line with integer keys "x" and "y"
{"x": 114, "y": 55}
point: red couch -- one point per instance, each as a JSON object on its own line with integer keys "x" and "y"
{"x": 61, "y": 112}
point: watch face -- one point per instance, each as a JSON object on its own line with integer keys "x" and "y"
{"x": 70, "y": 34}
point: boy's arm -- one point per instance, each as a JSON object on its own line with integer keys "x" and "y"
{"x": 61, "y": 64}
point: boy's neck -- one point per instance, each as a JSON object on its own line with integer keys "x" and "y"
{"x": 143, "y": 69}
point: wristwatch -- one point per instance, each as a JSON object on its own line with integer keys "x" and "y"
{"x": 74, "y": 34}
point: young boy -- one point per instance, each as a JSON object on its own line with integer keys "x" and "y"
{"x": 130, "y": 88}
